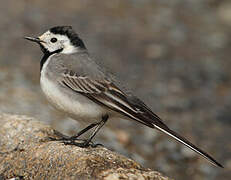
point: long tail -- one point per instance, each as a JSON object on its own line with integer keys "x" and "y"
{"x": 110, "y": 96}
{"x": 184, "y": 141}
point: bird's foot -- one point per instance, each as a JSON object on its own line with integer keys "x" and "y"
{"x": 84, "y": 143}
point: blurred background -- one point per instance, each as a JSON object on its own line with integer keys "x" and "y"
{"x": 175, "y": 55}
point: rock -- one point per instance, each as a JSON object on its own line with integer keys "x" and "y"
{"x": 28, "y": 153}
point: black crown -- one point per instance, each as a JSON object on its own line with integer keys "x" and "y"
{"x": 70, "y": 33}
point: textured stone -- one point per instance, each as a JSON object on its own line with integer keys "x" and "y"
{"x": 27, "y": 152}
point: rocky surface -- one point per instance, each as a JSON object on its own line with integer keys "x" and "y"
{"x": 27, "y": 152}
{"x": 174, "y": 54}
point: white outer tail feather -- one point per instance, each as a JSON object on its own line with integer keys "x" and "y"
{"x": 206, "y": 156}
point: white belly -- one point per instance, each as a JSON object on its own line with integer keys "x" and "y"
{"x": 75, "y": 105}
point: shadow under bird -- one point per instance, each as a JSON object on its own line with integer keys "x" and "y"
{"x": 75, "y": 84}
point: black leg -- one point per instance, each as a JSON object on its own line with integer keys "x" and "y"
{"x": 86, "y": 143}
{"x": 100, "y": 125}
{"x": 72, "y": 138}
{"x": 83, "y": 131}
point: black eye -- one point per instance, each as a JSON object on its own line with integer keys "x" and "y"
{"x": 53, "y": 40}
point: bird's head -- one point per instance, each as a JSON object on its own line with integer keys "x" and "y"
{"x": 62, "y": 39}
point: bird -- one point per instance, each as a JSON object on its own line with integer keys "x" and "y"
{"x": 74, "y": 83}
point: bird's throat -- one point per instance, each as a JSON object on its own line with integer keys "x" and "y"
{"x": 46, "y": 55}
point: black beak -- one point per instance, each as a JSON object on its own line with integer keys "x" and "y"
{"x": 33, "y": 39}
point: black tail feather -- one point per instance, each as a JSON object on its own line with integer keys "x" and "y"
{"x": 184, "y": 141}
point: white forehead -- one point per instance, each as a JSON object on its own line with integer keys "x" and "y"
{"x": 49, "y": 35}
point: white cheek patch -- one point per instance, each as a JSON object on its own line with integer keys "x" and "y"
{"x": 68, "y": 48}
{"x": 63, "y": 42}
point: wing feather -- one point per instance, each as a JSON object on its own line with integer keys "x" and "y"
{"x": 107, "y": 94}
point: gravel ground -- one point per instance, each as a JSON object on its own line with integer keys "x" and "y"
{"x": 174, "y": 54}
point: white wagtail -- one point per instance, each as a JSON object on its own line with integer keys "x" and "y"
{"x": 75, "y": 84}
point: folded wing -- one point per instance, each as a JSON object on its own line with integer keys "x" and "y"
{"x": 106, "y": 93}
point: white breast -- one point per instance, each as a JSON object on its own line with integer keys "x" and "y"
{"x": 75, "y": 105}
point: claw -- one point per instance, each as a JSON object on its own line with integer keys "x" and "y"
{"x": 72, "y": 141}
{"x": 82, "y": 145}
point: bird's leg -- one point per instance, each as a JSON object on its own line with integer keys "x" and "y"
{"x": 72, "y": 138}
{"x": 87, "y": 142}
{"x": 100, "y": 125}
{"x": 83, "y": 131}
